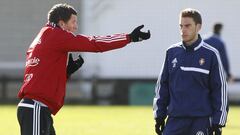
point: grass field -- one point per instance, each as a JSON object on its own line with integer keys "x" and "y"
{"x": 104, "y": 120}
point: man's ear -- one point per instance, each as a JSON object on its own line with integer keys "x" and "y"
{"x": 199, "y": 26}
{"x": 61, "y": 23}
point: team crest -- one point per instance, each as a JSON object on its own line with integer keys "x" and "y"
{"x": 28, "y": 77}
{"x": 202, "y": 61}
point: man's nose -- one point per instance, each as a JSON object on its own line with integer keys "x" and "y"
{"x": 183, "y": 30}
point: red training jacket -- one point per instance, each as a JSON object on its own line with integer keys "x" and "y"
{"x": 45, "y": 71}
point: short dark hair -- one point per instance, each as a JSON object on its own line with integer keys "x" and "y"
{"x": 192, "y": 13}
{"x": 217, "y": 28}
{"x": 61, "y": 12}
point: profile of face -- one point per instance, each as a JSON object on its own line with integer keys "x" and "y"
{"x": 189, "y": 29}
{"x": 71, "y": 25}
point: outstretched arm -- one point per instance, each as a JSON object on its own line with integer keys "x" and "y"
{"x": 68, "y": 42}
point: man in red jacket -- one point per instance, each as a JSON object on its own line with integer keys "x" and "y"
{"x": 46, "y": 73}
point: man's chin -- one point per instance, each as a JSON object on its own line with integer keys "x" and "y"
{"x": 185, "y": 40}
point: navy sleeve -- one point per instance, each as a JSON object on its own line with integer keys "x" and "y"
{"x": 161, "y": 99}
{"x": 224, "y": 59}
{"x": 219, "y": 96}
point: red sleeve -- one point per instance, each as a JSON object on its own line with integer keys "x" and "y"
{"x": 69, "y": 42}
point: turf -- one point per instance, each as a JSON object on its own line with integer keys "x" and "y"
{"x": 103, "y": 120}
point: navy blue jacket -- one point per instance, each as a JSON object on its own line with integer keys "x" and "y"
{"x": 216, "y": 42}
{"x": 192, "y": 83}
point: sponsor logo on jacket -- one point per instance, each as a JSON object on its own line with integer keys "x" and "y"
{"x": 32, "y": 62}
{"x": 174, "y": 62}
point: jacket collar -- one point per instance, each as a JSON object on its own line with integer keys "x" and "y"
{"x": 194, "y": 46}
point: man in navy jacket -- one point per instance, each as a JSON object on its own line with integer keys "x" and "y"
{"x": 191, "y": 88}
{"x": 216, "y": 42}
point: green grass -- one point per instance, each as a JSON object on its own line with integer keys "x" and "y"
{"x": 103, "y": 120}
